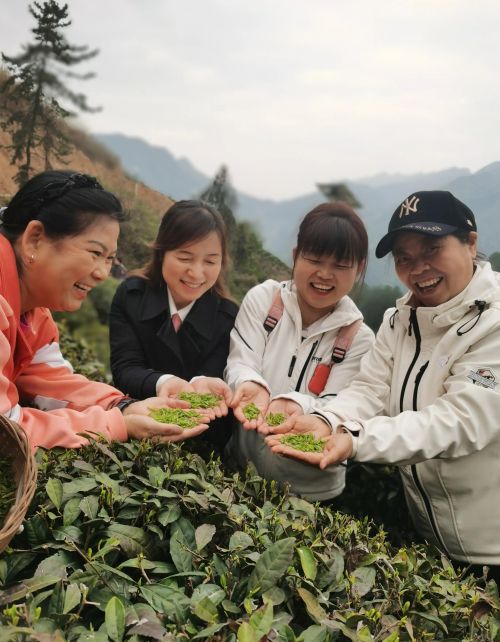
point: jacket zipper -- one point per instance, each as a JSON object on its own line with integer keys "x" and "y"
{"x": 303, "y": 371}
{"x": 418, "y": 378}
{"x": 414, "y": 325}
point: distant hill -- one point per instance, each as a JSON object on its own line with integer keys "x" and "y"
{"x": 277, "y": 221}
{"x": 144, "y": 204}
{"x": 176, "y": 177}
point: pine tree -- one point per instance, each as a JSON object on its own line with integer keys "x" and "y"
{"x": 31, "y": 93}
{"x": 221, "y": 195}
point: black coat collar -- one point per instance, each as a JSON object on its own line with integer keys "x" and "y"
{"x": 202, "y": 316}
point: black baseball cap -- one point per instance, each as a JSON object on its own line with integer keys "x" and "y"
{"x": 437, "y": 213}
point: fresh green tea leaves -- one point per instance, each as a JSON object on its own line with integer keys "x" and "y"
{"x": 178, "y": 416}
{"x": 305, "y": 443}
{"x": 275, "y": 418}
{"x": 200, "y": 400}
{"x": 251, "y": 411}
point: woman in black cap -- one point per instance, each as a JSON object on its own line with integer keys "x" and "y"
{"x": 427, "y": 395}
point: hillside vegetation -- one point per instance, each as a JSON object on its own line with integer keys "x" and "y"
{"x": 145, "y": 207}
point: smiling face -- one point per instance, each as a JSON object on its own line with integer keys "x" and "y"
{"x": 64, "y": 271}
{"x": 192, "y": 269}
{"x": 434, "y": 268}
{"x": 321, "y": 282}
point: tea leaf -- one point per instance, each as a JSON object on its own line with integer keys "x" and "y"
{"x": 89, "y": 506}
{"x": 54, "y": 489}
{"x": 206, "y": 610}
{"x": 132, "y": 540}
{"x": 308, "y": 562}
{"x": 261, "y": 621}
{"x": 171, "y": 515}
{"x": 71, "y": 511}
{"x": 364, "y": 579}
{"x": 246, "y": 633}
{"x": 313, "y": 633}
{"x": 115, "y": 619}
{"x": 179, "y": 552}
{"x": 166, "y": 598}
{"x": 212, "y": 591}
{"x": 271, "y": 565}
{"x": 240, "y": 540}
{"x": 313, "y": 607}
{"x": 72, "y": 598}
{"x": 204, "y": 535}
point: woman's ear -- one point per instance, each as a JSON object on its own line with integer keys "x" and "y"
{"x": 294, "y": 254}
{"x": 473, "y": 244}
{"x": 31, "y": 240}
{"x": 361, "y": 268}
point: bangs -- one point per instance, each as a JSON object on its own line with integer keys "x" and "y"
{"x": 186, "y": 227}
{"x": 333, "y": 236}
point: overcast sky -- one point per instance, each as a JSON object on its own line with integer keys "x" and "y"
{"x": 288, "y": 93}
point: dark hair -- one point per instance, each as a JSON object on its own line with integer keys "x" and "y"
{"x": 186, "y": 222}
{"x": 334, "y": 229}
{"x": 64, "y": 201}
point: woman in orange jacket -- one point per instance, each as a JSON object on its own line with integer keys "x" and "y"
{"x": 58, "y": 239}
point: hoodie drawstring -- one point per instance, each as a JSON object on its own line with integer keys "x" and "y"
{"x": 481, "y": 305}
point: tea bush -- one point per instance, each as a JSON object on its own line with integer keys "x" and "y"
{"x": 140, "y": 541}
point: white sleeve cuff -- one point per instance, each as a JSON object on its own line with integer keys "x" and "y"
{"x": 161, "y": 381}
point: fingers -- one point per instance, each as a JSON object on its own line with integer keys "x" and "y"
{"x": 188, "y": 433}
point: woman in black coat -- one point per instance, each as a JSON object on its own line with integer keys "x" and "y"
{"x": 170, "y": 322}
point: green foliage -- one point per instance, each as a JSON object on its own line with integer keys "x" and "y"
{"x": 138, "y": 541}
{"x": 250, "y": 263}
{"x": 375, "y": 491}
{"x": 374, "y": 301}
{"x": 101, "y": 298}
{"x": 86, "y": 330}
{"x": 495, "y": 261}
{"x": 7, "y": 486}
{"x": 34, "y": 87}
{"x": 78, "y": 353}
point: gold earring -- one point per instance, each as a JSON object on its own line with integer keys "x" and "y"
{"x": 32, "y": 259}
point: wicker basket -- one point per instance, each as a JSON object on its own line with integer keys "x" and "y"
{"x": 14, "y": 442}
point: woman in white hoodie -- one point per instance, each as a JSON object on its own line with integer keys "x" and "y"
{"x": 287, "y": 349}
{"x": 427, "y": 395}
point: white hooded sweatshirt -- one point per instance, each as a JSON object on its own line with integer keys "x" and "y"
{"x": 427, "y": 398}
{"x": 284, "y": 361}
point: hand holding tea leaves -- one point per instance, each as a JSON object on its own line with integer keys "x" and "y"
{"x": 287, "y": 408}
{"x": 173, "y": 386}
{"x": 250, "y": 393}
{"x": 140, "y": 425}
{"x": 217, "y": 387}
{"x": 301, "y": 425}
{"x": 338, "y": 448}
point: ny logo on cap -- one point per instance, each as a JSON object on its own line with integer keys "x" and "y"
{"x": 410, "y": 205}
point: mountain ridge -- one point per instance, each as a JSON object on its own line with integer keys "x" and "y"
{"x": 277, "y": 220}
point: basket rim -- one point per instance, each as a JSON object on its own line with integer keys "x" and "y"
{"x": 25, "y": 482}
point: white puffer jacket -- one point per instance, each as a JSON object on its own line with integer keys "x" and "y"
{"x": 427, "y": 398}
{"x": 267, "y": 359}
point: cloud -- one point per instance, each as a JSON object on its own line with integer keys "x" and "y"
{"x": 290, "y": 92}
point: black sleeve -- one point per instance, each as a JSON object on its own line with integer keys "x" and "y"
{"x": 129, "y": 366}
{"x": 215, "y": 362}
